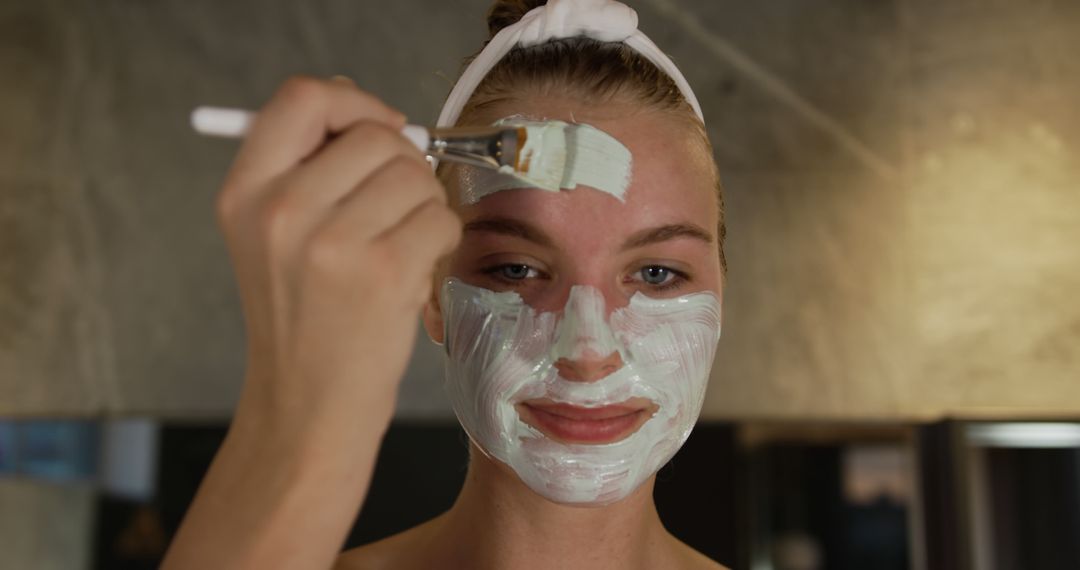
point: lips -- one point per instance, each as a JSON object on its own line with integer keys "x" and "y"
{"x": 574, "y": 424}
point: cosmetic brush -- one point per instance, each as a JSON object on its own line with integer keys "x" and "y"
{"x": 533, "y": 152}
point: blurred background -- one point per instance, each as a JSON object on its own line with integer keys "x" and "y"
{"x": 898, "y": 384}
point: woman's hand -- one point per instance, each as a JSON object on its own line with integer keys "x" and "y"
{"x": 334, "y": 222}
{"x": 334, "y": 247}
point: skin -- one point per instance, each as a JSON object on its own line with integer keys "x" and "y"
{"x": 585, "y": 232}
{"x": 324, "y": 190}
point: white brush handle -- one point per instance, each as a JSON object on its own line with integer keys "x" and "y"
{"x": 235, "y": 124}
{"x": 417, "y": 135}
{"x": 222, "y": 122}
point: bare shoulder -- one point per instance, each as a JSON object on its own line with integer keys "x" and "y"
{"x": 367, "y": 557}
{"x": 392, "y": 552}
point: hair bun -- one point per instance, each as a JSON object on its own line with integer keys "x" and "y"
{"x": 506, "y": 13}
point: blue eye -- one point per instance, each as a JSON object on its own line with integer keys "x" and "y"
{"x": 656, "y": 275}
{"x": 514, "y": 272}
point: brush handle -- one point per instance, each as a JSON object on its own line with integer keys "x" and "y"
{"x": 222, "y": 122}
{"x": 235, "y": 124}
{"x": 417, "y": 135}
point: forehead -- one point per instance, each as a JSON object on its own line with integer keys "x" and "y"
{"x": 672, "y": 174}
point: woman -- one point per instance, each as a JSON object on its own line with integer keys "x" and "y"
{"x": 607, "y": 308}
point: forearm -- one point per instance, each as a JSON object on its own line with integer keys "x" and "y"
{"x": 279, "y": 500}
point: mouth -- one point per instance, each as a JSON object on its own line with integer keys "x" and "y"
{"x": 593, "y": 426}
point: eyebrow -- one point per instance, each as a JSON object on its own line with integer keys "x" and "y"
{"x": 509, "y": 227}
{"x": 524, "y": 230}
{"x": 665, "y": 233}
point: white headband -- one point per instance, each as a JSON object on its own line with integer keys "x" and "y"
{"x": 603, "y": 20}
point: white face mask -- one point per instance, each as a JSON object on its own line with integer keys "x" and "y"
{"x": 501, "y": 352}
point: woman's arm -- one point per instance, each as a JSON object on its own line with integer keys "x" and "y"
{"x": 334, "y": 223}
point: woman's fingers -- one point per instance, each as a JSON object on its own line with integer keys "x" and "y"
{"x": 400, "y": 213}
{"x": 427, "y": 234}
{"x": 350, "y": 159}
{"x": 334, "y": 222}
{"x": 382, "y": 200}
{"x": 377, "y": 183}
{"x": 296, "y": 122}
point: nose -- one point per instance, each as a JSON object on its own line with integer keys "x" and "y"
{"x": 585, "y": 349}
{"x": 590, "y": 367}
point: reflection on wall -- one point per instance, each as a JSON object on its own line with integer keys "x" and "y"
{"x": 914, "y": 255}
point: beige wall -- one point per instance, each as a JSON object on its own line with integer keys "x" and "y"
{"x": 931, "y": 269}
{"x": 45, "y": 526}
{"x": 902, "y": 184}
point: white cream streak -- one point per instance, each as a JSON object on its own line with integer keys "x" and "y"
{"x": 544, "y": 152}
{"x": 501, "y": 352}
{"x": 593, "y": 158}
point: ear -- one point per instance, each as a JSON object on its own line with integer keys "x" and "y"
{"x": 433, "y": 319}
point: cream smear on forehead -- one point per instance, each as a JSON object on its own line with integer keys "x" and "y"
{"x": 593, "y": 158}
{"x": 501, "y": 352}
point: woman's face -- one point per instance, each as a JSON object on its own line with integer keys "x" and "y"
{"x": 662, "y": 241}
{"x": 581, "y": 327}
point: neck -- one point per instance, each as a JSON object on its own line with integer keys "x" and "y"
{"x": 498, "y": 522}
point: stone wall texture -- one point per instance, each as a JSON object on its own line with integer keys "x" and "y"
{"x": 902, "y": 183}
